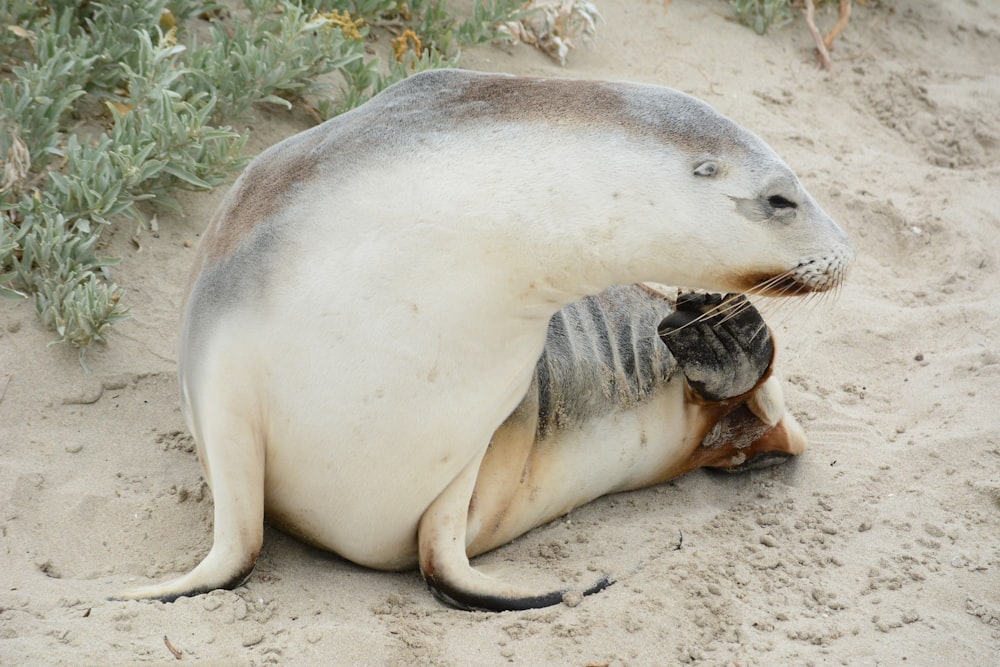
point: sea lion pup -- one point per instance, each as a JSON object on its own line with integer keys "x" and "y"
{"x": 613, "y": 408}
{"x": 369, "y": 303}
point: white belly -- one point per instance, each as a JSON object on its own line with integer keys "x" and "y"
{"x": 365, "y": 422}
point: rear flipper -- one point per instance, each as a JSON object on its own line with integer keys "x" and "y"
{"x": 726, "y": 352}
{"x": 233, "y": 459}
{"x": 441, "y": 538}
{"x": 757, "y": 433}
{"x": 475, "y": 591}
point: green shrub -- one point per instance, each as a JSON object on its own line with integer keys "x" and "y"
{"x": 105, "y": 114}
{"x": 762, "y": 14}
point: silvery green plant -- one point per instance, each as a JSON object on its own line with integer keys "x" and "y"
{"x": 105, "y": 114}
{"x": 762, "y": 14}
{"x": 274, "y": 58}
{"x": 487, "y": 17}
{"x": 159, "y": 141}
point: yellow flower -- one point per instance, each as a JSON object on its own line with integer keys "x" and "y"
{"x": 351, "y": 28}
{"x": 400, "y": 45}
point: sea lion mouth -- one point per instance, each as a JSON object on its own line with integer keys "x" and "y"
{"x": 804, "y": 278}
{"x": 782, "y": 284}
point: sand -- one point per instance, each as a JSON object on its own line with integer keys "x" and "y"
{"x": 879, "y": 546}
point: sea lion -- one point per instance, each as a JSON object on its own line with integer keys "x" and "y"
{"x": 613, "y": 407}
{"x": 368, "y": 305}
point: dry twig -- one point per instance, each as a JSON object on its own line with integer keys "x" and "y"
{"x": 842, "y": 20}
{"x": 825, "y": 44}
{"x": 177, "y": 654}
{"x": 824, "y": 55}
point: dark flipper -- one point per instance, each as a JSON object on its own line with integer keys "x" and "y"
{"x": 721, "y": 344}
{"x": 444, "y": 563}
{"x": 473, "y": 600}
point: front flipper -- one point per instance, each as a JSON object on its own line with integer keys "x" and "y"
{"x": 726, "y": 352}
{"x": 441, "y": 538}
{"x": 721, "y": 344}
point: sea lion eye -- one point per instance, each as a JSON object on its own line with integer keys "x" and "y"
{"x": 706, "y": 168}
{"x": 777, "y": 201}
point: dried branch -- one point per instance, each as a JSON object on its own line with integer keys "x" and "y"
{"x": 825, "y": 44}
{"x": 842, "y": 21}
{"x": 824, "y": 54}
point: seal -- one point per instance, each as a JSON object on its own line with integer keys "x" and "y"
{"x": 369, "y": 303}
{"x": 613, "y": 407}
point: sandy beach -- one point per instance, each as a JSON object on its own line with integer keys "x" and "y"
{"x": 880, "y": 546}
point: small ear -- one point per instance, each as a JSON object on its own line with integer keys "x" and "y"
{"x": 706, "y": 168}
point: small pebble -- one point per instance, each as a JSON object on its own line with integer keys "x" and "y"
{"x": 74, "y": 448}
{"x": 253, "y": 637}
{"x": 572, "y": 598}
{"x": 768, "y": 541}
{"x": 212, "y": 603}
{"x": 115, "y": 383}
{"x": 87, "y": 394}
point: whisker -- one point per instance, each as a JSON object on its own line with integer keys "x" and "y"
{"x": 779, "y": 283}
{"x": 776, "y": 310}
{"x": 738, "y": 309}
{"x": 774, "y": 293}
{"x": 722, "y": 306}
{"x": 728, "y": 308}
{"x": 762, "y": 327}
